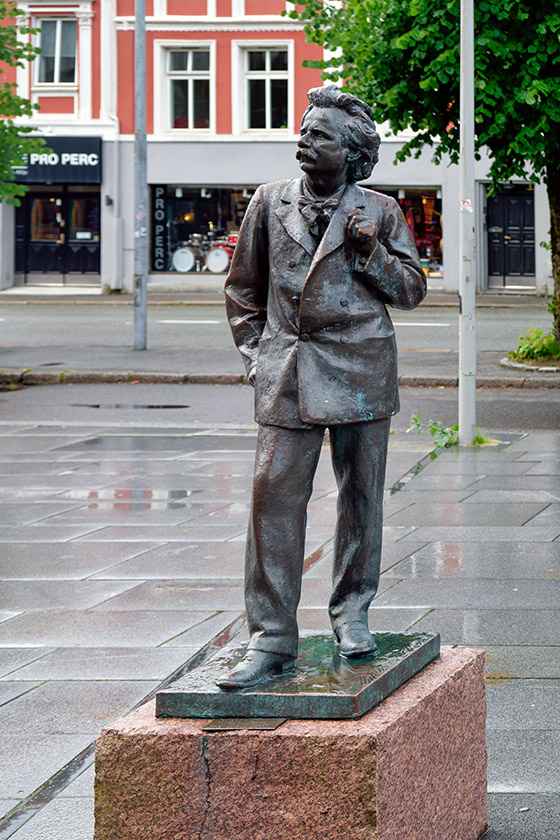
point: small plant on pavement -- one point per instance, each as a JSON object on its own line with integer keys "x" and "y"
{"x": 443, "y": 436}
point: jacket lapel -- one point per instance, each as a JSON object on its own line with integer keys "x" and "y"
{"x": 292, "y": 220}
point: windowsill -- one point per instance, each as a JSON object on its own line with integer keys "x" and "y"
{"x": 182, "y": 135}
{"x": 54, "y": 87}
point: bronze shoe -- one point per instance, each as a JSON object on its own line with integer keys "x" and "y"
{"x": 355, "y": 640}
{"x": 255, "y": 667}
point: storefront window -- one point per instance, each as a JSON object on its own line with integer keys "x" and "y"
{"x": 195, "y": 229}
{"x": 422, "y": 210}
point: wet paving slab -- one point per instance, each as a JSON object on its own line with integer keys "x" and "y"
{"x": 183, "y": 560}
{"x": 71, "y": 560}
{"x": 481, "y": 560}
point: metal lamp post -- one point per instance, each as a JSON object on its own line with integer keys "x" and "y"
{"x": 140, "y": 179}
{"x": 467, "y": 263}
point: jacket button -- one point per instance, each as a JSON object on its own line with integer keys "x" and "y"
{"x": 292, "y": 264}
{"x": 304, "y": 337}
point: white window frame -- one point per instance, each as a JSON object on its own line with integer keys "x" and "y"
{"x": 239, "y": 77}
{"x": 162, "y": 82}
{"x": 56, "y": 83}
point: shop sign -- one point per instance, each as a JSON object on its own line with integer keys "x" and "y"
{"x": 65, "y": 160}
{"x": 158, "y": 229}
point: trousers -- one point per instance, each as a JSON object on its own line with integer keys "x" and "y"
{"x": 285, "y": 464}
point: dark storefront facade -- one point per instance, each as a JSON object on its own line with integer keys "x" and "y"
{"x": 58, "y": 225}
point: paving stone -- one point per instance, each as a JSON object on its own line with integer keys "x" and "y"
{"x": 10, "y": 690}
{"x": 27, "y": 760}
{"x": 27, "y": 445}
{"x": 478, "y": 466}
{"x": 235, "y": 513}
{"x": 515, "y": 661}
{"x": 480, "y": 560}
{"x": 24, "y": 514}
{"x": 65, "y": 561}
{"x": 183, "y": 560}
{"x": 461, "y": 514}
{"x": 75, "y": 628}
{"x": 549, "y": 516}
{"x": 486, "y": 533}
{"x": 523, "y": 704}
{"x": 463, "y": 593}
{"x": 60, "y": 594}
{"x": 44, "y": 533}
{"x": 164, "y": 533}
{"x": 144, "y": 512}
{"x": 506, "y": 496}
{"x": 492, "y": 627}
{"x": 11, "y": 658}
{"x": 409, "y": 494}
{"x": 234, "y": 468}
{"x": 105, "y": 664}
{"x": 61, "y": 818}
{"x": 205, "y": 631}
{"x": 175, "y": 595}
{"x": 545, "y": 468}
{"x": 525, "y": 482}
{"x": 523, "y": 816}
{"x": 66, "y": 707}
{"x": 523, "y": 761}
{"x": 426, "y": 480}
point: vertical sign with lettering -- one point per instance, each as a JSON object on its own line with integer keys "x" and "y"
{"x": 159, "y": 229}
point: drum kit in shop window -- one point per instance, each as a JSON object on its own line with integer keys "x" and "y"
{"x": 204, "y": 253}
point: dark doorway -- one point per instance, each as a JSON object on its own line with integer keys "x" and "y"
{"x": 58, "y": 234}
{"x": 510, "y": 218}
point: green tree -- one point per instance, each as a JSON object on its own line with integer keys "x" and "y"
{"x": 15, "y": 140}
{"x": 403, "y": 59}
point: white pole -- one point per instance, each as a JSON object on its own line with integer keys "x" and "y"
{"x": 467, "y": 263}
{"x": 140, "y": 179}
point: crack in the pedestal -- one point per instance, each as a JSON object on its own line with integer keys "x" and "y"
{"x": 256, "y": 768}
{"x": 208, "y": 779}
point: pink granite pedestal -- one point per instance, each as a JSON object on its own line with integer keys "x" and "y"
{"x": 414, "y": 768}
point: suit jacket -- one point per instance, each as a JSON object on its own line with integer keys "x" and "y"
{"x": 311, "y": 322}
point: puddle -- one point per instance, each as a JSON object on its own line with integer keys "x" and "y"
{"x": 124, "y": 406}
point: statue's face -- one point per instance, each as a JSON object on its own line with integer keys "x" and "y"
{"x": 320, "y": 147}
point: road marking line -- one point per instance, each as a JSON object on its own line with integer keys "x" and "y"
{"x": 419, "y": 324}
{"x": 189, "y": 321}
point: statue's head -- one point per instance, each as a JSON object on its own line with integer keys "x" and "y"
{"x": 358, "y": 132}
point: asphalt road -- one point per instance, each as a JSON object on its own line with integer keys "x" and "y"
{"x": 181, "y": 406}
{"x": 196, "y": 339}
{"x": 205, "y": 327}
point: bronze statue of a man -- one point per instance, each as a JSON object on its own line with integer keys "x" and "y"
{"x": 317, "y": 260}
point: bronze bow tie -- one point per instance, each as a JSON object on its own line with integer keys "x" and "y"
{"x": 317, "y": 214}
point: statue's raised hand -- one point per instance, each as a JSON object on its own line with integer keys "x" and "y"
{"x": 362, "y": 232}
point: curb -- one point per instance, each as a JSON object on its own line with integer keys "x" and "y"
{"x": 25, "y": 376}
{"x": 509, "y": 363}
{"x": 111, "y": 377}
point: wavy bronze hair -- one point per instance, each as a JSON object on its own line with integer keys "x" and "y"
{"x": 360, "y": 135}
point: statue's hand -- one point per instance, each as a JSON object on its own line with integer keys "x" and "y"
{"x": 362, "y": 233}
